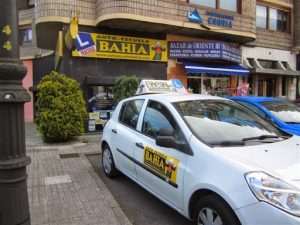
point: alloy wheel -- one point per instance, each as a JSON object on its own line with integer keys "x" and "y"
{"x": 208, "y": 216}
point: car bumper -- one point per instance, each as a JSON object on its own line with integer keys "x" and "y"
{"x": 263, "y": 213}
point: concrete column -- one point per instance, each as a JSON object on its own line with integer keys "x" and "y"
{"x": 255, "y": 85}
{"x": 292, "y": 83}
{"x": 278, "y": 87}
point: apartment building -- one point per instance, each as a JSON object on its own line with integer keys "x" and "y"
{"x": 212, "y": 46}
{"x": 32, "y": 57}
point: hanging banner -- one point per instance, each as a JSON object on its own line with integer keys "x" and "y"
{"x": 71, "y": 33}
{"x": 58, "y": 51}
{"x": 119, "y": 47}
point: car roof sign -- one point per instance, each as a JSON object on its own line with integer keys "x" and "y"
{"x": 160, "y": 86}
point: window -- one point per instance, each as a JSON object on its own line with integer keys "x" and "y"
{"x": 231, "y": 5}
{"x": 25, "y": 4}
{"x": 272, "y": 19}
{"x": 101, "y": 106}
{"x": 25, "y": 35}
{"x": 210, "y": 121}
{"x": 278, "y": 20}
{"x": 261, "y": 16}
{"x": 208, "y": 3}
{"x": 157, "y": 117}
{"x": 285, "y": 111}
{"x": 253, "y": 108}
{"x": 130, "y": 112}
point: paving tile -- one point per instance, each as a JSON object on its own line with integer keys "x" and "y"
{"x": 68, "y": 191}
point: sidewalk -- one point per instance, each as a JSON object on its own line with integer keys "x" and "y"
{"x": 63, "y": 188}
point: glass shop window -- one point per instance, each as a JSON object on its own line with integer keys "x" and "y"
{"x": 101, "y": 106}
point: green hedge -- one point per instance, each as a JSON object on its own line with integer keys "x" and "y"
{"x": 61, "y": 107}
{"x": 126, "y": 86}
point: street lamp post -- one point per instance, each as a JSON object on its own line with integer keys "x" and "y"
{"x": 14, "y": 207}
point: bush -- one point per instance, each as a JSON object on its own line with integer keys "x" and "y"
{"x": 125, "y": 87}
{"x": 61, "y": 106}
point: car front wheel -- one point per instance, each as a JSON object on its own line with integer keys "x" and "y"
{"x": 212, "y": 210}
{"x": 108, "y": 163}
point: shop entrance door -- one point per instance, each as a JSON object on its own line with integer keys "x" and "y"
{"x": 194, "y": 84}
{"x": 266, "y": 87}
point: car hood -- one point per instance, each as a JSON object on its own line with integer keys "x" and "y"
{"x": 280, "y": 159}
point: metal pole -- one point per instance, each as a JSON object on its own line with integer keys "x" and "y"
{"x": 14, "y": 207}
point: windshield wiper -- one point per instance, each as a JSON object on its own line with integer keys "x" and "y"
{"x": 261, "y": 137}
{"x": 227, "y": 143}
{"x": 292, "y": 122}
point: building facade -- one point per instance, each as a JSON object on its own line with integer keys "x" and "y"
{"x": 212, "y": 46}
{"x": 30, "y": 54}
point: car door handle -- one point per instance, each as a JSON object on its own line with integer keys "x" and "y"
{"x": 114, "y": 131}
{"x": 140, "y": 145}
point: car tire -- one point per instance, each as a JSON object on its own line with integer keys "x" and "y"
{"x": 213, "y": 210}
{"x": 108, "y": 163}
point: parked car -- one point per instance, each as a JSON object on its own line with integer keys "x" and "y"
{"x": 209, "y": 158}
{"x": 297, "y": 101}
{"x": 284, "y": 114}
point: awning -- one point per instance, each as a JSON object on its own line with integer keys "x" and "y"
{"x": 236, "y": 70}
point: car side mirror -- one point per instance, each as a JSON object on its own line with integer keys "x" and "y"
{"x": 165, "y": 138}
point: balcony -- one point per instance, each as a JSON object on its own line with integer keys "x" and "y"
{"x": 165, "y": 16}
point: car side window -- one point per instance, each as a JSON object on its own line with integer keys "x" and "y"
{"x": 130, "y": 112}
{"x": 157, "y": 117}
{"x": 253, "y": 108}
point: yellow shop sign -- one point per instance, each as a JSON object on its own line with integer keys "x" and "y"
{"x": 119, "y": 47}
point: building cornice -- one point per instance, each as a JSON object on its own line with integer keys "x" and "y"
{"x": 65, "y": 20}
{"x": 25, "y": 22}
{"x": 278, "y": 3}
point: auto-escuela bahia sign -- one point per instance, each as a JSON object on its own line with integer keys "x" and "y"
{"x": 119, "y": 47}
{"x": 204, "y": 50}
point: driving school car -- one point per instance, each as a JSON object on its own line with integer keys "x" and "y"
{"x": 209, "y": 158}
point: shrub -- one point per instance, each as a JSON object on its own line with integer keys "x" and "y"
{"x": 125, "y": 87}
{"x": 61, "y": 106}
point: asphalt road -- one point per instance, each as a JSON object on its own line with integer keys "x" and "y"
{"x": 140, "y": 206}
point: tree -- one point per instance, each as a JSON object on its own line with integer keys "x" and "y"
{"x": 61, "y": 106}
{"x": 125, "y": 87}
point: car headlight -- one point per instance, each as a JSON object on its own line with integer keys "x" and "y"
{"x": 274, "y": 191}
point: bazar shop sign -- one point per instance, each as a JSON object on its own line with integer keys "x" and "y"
{"x": 204, "y": 50}
{"x": 218, "y": 19}
{"x": 119, "y": 47}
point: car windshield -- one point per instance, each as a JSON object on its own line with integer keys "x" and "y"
{"x": 223, "y": 121}
{"x": 285, "y": 111}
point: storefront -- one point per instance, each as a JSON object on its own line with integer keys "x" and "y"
{"x": 97, "y": 59}
{"x": 207, "y": 67}
{"x": 272, "y": 71}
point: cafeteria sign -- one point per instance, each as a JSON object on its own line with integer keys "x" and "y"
{"x": 119, "y": 47}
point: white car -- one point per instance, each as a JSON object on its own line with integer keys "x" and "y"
{"x": 211, "y": 159}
